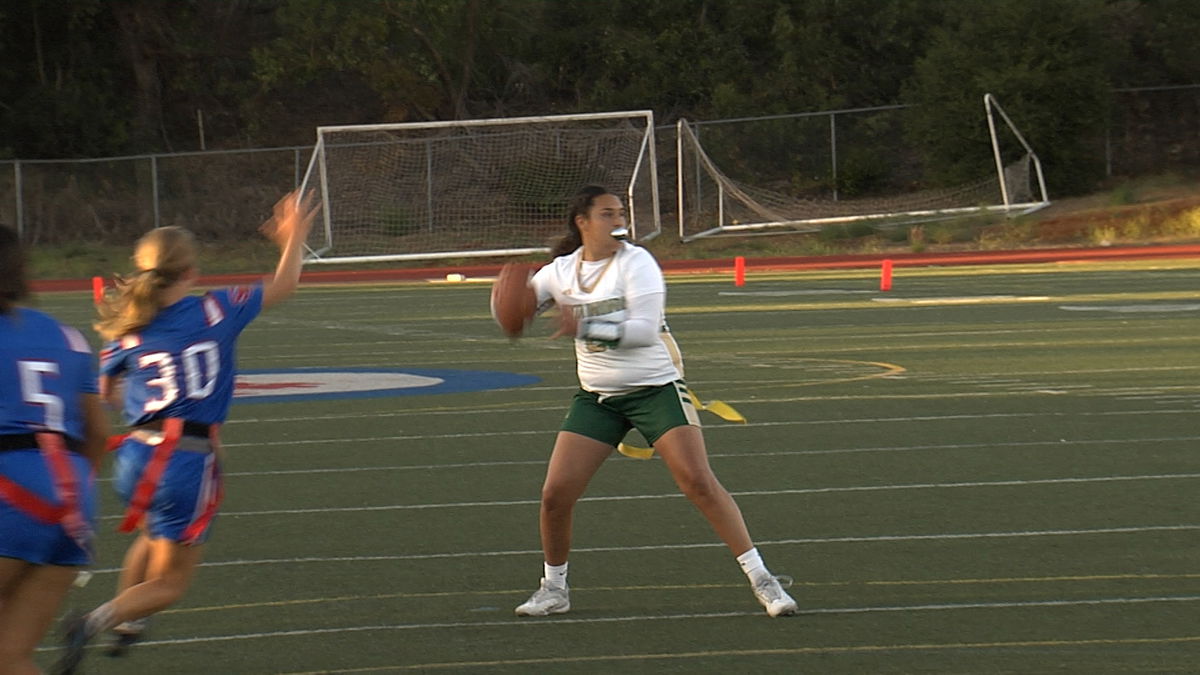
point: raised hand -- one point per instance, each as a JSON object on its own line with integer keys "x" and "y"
{"x": 292, "y": 218}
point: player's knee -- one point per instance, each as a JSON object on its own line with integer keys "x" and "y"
{"x": 557, "y": 498}
{"x": 700, "y": 486}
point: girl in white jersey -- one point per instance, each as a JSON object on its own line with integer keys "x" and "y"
{"x": 612, "y": 297}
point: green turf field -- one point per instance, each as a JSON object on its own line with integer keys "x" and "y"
{"x": 983, "y": 470}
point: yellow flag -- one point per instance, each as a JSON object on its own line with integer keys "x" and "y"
{"x": 719, "y": 408}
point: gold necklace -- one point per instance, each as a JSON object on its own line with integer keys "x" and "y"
{"x": 579, "y": 273}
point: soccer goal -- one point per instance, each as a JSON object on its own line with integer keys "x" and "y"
{"x": 473, "y": 188}
{"x": 802, "y": 173}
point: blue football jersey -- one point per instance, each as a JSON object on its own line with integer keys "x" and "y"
{"x": 183, "y": 363}
{"x": 44, "y": 367}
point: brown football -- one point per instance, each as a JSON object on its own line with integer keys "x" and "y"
{"x": 513, "y": 299}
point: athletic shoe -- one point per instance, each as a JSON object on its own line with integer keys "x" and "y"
{"x": 770, "y": 593}
{"x": 546, "y": 600}
{"x": 124, "y": 636}
{"x": 75, "y": 638}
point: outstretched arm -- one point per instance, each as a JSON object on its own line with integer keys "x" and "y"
{"x": 289, "y": 229}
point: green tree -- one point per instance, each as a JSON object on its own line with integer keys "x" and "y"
{"x": 847, "y": 53}
{"x": 1152, "y": 42}
{"x": 392, "y": 60}
{"x": 1046, "y": 64}
{"x": 62, "y": 88}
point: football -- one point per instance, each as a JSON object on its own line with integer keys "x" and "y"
{"x": 513, "y": 299}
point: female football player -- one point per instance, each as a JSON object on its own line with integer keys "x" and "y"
{"x": 612, "y": 296}
{"x": 175, "y": 353}
{"x": 52, "y": 430}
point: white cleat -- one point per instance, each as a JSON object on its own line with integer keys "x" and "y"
{"x": 772, "y": 596}
{"x": 546, "y": 600}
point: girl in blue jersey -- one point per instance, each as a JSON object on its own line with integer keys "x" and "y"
{"x": 52, "y": 430}
{"x": 174, "y": 354}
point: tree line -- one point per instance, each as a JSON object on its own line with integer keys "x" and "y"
{"x": 91, "y": 78}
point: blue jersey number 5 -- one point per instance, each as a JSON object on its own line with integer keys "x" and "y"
{"x": 33, "y": 391}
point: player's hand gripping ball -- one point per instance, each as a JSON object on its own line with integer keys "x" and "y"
{"x": 513, "y": 299}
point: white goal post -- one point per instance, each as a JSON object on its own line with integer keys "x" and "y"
{"x": 712, "y": 203}
{"x": 473, "y": 188}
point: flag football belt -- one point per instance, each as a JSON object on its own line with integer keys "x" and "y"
{"x": 29, "y": 442}
{"x": 719, "y": 408}
{"x": 198, "y": 429}
{"x": 54, "y": 448}
{"x": 167, "y": 436}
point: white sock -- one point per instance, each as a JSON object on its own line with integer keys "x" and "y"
{"x": 752, "y": 565}
{"x": 556, "y": 575}
{"x": 134, "y": 627}
{"x": 100, "y": 619}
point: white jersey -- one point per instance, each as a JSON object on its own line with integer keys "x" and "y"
{"x": 600, "y": 289}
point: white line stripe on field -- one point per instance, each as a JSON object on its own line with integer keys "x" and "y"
{"x": 786, "y": 423}
{"x": 1061, "y": 443}
{"x": 518, "y": 407}
{"x": 563, "y": 621}
{"x": 697, "y": 339}
{"x": 732, "y": 455}
{"x": 742, "y": 493}
{"x": 676, "y": 547}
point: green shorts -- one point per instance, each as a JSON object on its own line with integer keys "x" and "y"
{"x": 653, "y": 411}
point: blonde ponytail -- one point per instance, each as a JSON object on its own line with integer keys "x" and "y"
{"x": 162, "y": 256}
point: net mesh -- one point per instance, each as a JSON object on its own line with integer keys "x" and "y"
{"x": 789, "y": 187}
{"x": 475, "y": 188}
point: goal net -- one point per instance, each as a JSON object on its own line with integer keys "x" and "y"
{"x": 487, "y": 187}
{"x": 801, "y": 173}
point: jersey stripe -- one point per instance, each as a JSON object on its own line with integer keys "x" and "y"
{"x": 213, "y": 313}
{"x": 75, "y": 340}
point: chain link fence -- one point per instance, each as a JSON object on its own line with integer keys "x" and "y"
{"x": 223, "y": 195}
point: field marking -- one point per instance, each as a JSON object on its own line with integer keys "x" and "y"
{"x": 356, "y": 359}
{"x": 936, "y": 302}
{"x": 561, "y": 621}
{"x": 720, "y": 455}
{"x": 696, "y": 340}
{"x": 860, "y": 420}
{"x": 558, "y": 405}
{"x": 779, "y": 651}
{"x": 784, "y": 293}
{"x": 1092, "y": 578}
{"x": 1131, "y": 309}
{"x": 726, "y": 455}
{"x": 885, "y": 538}
{"x": 964, "y": 299}
{"x": 509, "y": 408}
{"x": 737, "y": 493}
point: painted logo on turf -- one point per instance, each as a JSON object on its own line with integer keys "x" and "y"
{"x": 310, "y": 384}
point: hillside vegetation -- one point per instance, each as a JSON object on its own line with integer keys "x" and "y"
{"x": 1165, "y": 209}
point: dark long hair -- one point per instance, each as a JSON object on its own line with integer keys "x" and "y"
{"x": 14, "y": 287}
{"x": 579, "y": 205}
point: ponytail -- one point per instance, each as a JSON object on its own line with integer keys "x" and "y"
{"x": 162, "y": 256}
{"x": 579, "y": 205}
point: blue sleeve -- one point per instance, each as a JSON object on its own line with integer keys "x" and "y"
{"x": 112, "y": 359}
{"x": 239, "y": 304}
